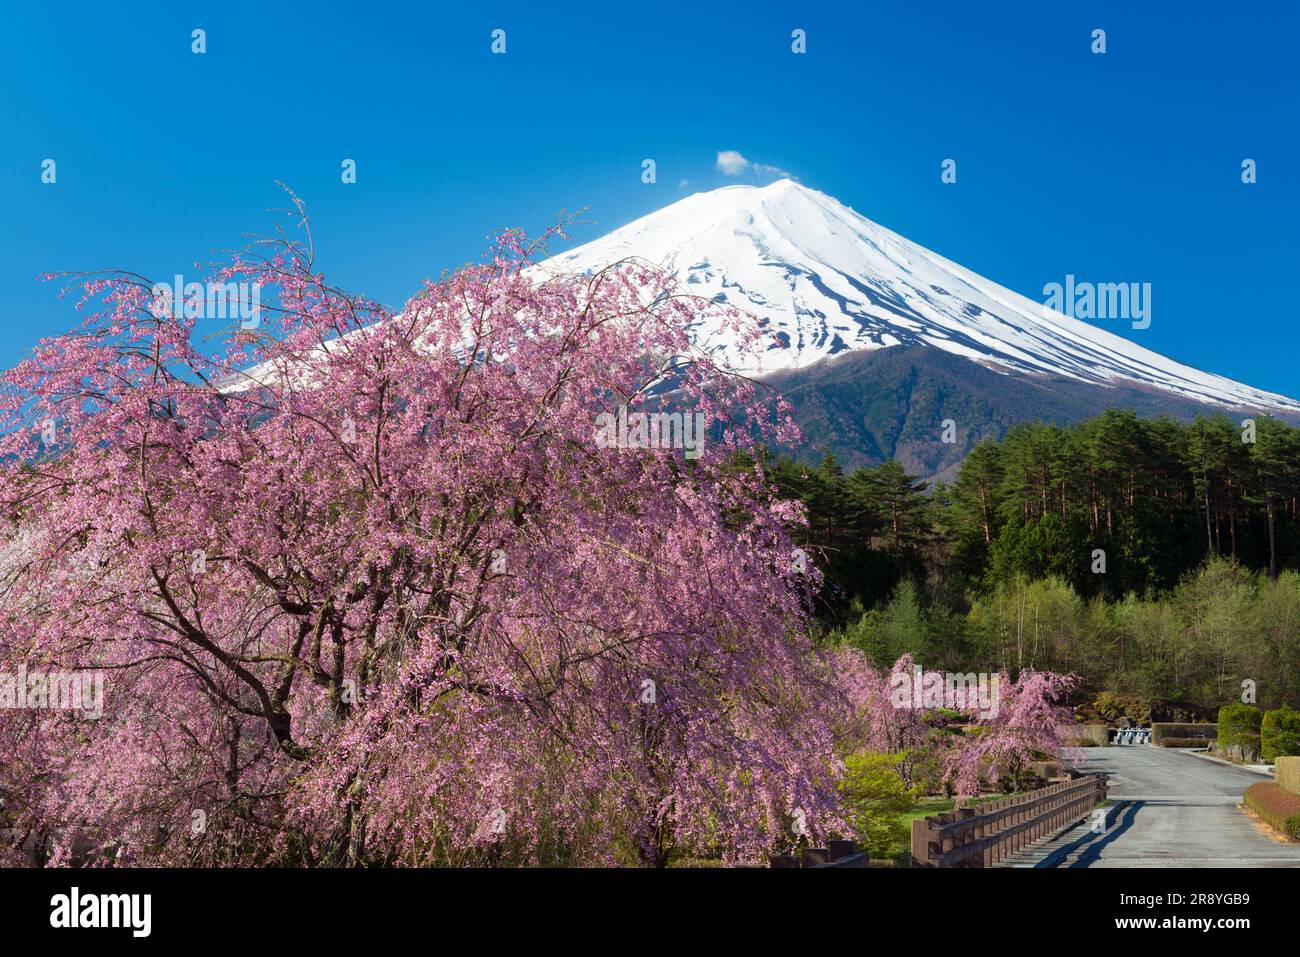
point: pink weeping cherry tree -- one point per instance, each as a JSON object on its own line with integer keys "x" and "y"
{"x": 365, "y": 587}
{"x": 1029, "y": 721}
{"x": 992, "y": 745}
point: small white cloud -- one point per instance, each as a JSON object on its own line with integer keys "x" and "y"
{"x": 683, "y": 184}
{"x": 731, "y": 163}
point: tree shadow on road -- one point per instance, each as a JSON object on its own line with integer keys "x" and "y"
{"x": 1091, "y": 844}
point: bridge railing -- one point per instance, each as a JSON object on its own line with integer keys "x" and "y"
{"x": 981, "y": 836}
{"x": 834, "y": 854}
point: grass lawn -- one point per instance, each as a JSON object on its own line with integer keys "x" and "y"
{"x": 938, "y": 805}
{"x": 933, "y": 805}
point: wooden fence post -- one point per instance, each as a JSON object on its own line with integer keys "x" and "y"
{"x": 921, "y": 842}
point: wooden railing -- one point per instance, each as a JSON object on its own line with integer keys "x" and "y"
{"x": 835, "y": 854}
{"x": 981, "y": 836}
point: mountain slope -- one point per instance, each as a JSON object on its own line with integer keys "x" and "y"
{"x": 826, "y": 281}
{"x": 871, "y": 405}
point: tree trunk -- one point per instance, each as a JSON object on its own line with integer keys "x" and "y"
{"x": 1209, "y": 541}
{"x": 1272, "y": 545}
{"x": 1232, "y": 526}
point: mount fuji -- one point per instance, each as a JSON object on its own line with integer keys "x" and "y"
{"x": 875, "y": 339}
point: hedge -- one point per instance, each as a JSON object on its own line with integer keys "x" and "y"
{"x": 1203, "y": 733}
{"x": 1183, "y": 742}
{"x": 1280, "y": 733}
{"x": 1239, "y": 725}
{"x": 1287, "y": 772}
{"x": 1278, "y": 807}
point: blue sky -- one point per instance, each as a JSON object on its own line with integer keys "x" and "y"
{"x": 1119, "y": 167}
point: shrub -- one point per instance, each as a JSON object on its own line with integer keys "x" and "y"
{"x": 1239, "y": 725}
{"x": 1275, "y": 805}
{"x": 923, "y": 768}
{"x": 876, "y": 798}
{"x": 1112, "y": 707}
{"x": 1280, "y": 733}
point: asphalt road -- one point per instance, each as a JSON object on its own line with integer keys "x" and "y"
{"x": 1172, "y": 809}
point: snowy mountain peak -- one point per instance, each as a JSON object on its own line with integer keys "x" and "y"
{"x": 826, "y": 280}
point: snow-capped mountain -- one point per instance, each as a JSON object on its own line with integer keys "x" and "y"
{"x": 826, "y": 280}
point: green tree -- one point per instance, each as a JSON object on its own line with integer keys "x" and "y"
{"x": 877, "y": 800}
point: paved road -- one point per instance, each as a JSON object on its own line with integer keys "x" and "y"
{"x": 1172, "y": 809}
